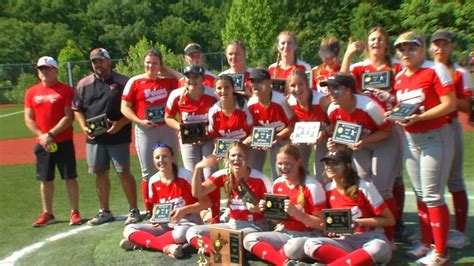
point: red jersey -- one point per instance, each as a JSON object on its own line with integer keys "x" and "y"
{"x": 277, "y": 115}
{"x": 462, "y": 85}
{"x": 424, "y": 87}
{"x": 277, "y": 72}
{"x": 315, "y": 113}
{"x": 258, "y": 183}
{"x": 209, "y": 79}
{"x": 190, "y": 110}
{"x": 367, "y": 113}
{"x": 144, "y": 92}
{"x": 369, "y": 202}
{"x": 314, "y": 199}
{"x": 178, "y": 191}
{"x": 246, "y": 75}
{"x": 322, "y": 71}
{"x": 47, "y": 104}
{"x": 234, "y": 126}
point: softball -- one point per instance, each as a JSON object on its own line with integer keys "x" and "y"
{"x": 53, "y": 147}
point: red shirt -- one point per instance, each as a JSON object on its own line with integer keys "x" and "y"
{"x": 367, "y": 113}
{"x": 143, "y": 92}
{"x": 209, "y": 79}
{"x": 277, "y": 72}
{"x": 235, "y": 126}
{"x": 278, "y": 114}
{"x": 315, "y": 113}
{"x": 258, "y": 183}
{"x": 190, "y": 110}
{"x": 314, "y": 199}
{"x": 462, "y": 85}
{"x": 47, "y": 104}
{"x": 368, "y": 204}
{"x": 322, "y": 71}
{"x": 424, "y": 87}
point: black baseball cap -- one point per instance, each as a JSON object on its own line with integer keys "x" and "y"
{"x": 341, "y": 155}
{"x": 338, "y": 79}
{"x": 191, "y": 48}
{"x": 194, "y": 70}
{"x": 442, "y": 35}
{"x": 259, "y": 74}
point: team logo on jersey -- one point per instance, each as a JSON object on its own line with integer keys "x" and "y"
{"x": 152, "y": 95}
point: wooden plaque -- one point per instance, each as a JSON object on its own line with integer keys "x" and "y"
{"x": 377, "y": 80}
{"x": 226, "y": 246}
{"x": 275, "y": 207}
{"x": 346, "y": 133}
{"x": 98, "y": 124}
{"x": 155, "y": 114}
{"x": 262, "y": 136}
{"x": 193, "y": 132}
{"x": 305, "y": 132}
{"x": 337, "y": 221}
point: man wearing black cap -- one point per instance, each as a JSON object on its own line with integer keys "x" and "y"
{"x": 99, "y": 94}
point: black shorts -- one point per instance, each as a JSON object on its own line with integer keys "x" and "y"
{"x": 64, "y": 158}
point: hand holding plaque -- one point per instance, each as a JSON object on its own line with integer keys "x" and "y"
{"x": 346, "y": 133}
{"x": 155, "y": 114}
{"x": 275, "y": 207}
{"x": 305, "y": 132}
{"x": 222, "y": 145}
{"x": 337, "y": 221}
{"x": 193, "y": 132}
{"x": 162, "y": 213}
{"x": 402, "y": 110}
{"x": 378, "y": 80}
{"x": 262, "y": 137}
{"x": 98, "y": 125}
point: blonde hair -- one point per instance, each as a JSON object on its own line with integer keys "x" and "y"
{"x": 293, "y": 152}
{"x": 293, "y": 36}
{"x": 302, "y": 75}
{"x": 231, "y": 182}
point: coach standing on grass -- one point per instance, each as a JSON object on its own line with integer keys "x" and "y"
{"x": 48, "y": 115}
{"x": 99, "y": 94}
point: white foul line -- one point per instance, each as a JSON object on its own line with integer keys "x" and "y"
{"x": 11, "y": 114}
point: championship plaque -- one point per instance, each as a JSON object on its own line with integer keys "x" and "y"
{"x": 245, "y": 193}
{"x": 155, "y": 114}
{"x": 402, "y": 110}
{"x": 275, "y": 207}
{"x": 239, "y": 81}
{"x": 162, "y": 213}
{"x": 193, "y": 132}
{"x": 279, "y": 85}
{"x": 305, "y": 132}
{"x": 262, "y": 136}
{"x": 346, "y": 133}
{"x": 222, "y": 145}
{"x": 337, "y": 221}
{"x": 98, "y": 125}
{"x": 226, "y": 246}
{"x": 309, "y": 74}
{"x": 377, "y": 80}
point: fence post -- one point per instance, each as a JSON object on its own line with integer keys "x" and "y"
{"x": 69, "y": 73}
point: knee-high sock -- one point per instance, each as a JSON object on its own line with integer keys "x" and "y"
{"x": 206, "y": 243}
{"x": 358, "y": 257}
{"x": 399, "y": 196}
{"x": 423, "y": 216}
{"x": 392, "y": 205}
{"x": 460, "y": 203}
{"x": 147, "y": 240}
{"x": 439, "y": 218}
{"x": 147, "y": 203}
{"x": 327, "y": 253}
{"x": 267, "y": 252}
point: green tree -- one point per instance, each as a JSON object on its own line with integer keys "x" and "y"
{"x": 70, "y": 57}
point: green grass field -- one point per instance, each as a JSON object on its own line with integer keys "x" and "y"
{"x": 20, "y": 206}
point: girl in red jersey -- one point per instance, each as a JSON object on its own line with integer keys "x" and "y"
{"x": 441, "y": 50}
{"x": 229, "y": 117}
{"x": 287, "y": 59}
{"x": 328, "y": 52}
{"x": 429, "y": 152}
{"x": 192, "y": 102}
{"x": 168, "y": 185}
{"x": 368, "y": 244}
{"x": 268, "y": 109}
{"x": 144, "y": 94}
{"x": 243, "y": 215}
{"x": 306, "y": 199}
{"x": 193, "y": 57}
{"x": 235, "y": 54}
{"x": 309, "y": 106}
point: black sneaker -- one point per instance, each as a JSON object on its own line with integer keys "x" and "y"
{"x": 133, "y": 217}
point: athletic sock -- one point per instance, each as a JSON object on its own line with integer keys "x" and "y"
{"x": 423, "y": 216}
{"x": 147, "y": 203}
{"x": 147, "y": 240}
{"x": 268, "y": 253}
{"x": 328, "y": 253}
{"x": 206, "y": 243}
{"x": 392, "y": 205}
{"x": 460, "y": 203}
{"x": 439, "y": 217}
{"x": 399, "y": 196}
{"x": 358, "y": 257}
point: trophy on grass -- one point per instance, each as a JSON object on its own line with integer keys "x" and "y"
{"x": 226, "y": 246}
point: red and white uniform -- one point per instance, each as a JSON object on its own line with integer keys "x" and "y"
{"x": 462, "y": 85}
{"x": 235, "y": 126}
{"x": 367, "y": 113}
{"x": 246, "y": 75}
{"x": 315, "y": 113}
{"x": 208, "y": 81}
{"x": 258, "y": 183}
{"x": 322, "y": 71}
{"x": 278, "y": 114}
{"x": 277, "y": 72}
{"x": 144, "y": 92}
{"x": 424, "y": 87}
{"x": 177, "y": 191}
{"x": 314, "y": 195}
{"x": 48, "y": 105}
{"x": 190, "y": 110}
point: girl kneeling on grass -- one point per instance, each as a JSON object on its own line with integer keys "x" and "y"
{"x": 243, "y": 215}
{"x": 169, "y": 185}
{"x": 306, "y": 198}
{"x": 368, "y": 244}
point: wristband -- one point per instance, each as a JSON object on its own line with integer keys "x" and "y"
{"x": 50, "y": 134}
